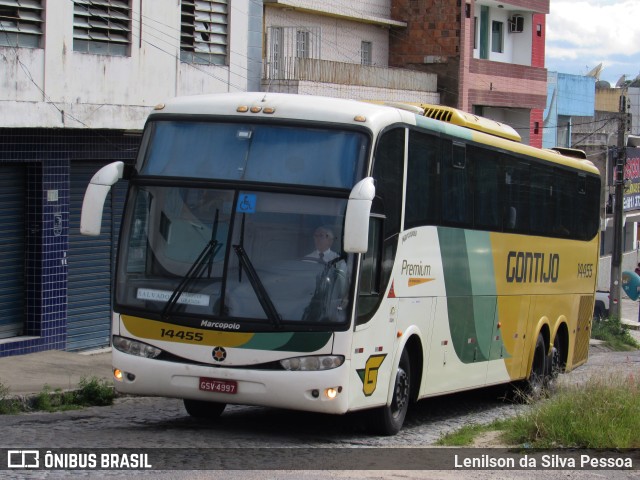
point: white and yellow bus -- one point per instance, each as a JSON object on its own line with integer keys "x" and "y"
{"x": 454, "y": 257}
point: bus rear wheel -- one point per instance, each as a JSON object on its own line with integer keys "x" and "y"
{"x": 388, "y": 420}
{"x": 555, "y": 363}
{"x": 539, "y": 370}
{"x": 204, "y": 410}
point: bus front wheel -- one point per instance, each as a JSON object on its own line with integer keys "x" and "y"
{"x": 388, "y": 420}
{"x": 204, "y": 410}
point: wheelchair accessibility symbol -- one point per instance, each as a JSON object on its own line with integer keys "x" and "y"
{"x": 246, "y": 203}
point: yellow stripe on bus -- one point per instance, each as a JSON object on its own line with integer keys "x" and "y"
{"x": 155, "y": 330}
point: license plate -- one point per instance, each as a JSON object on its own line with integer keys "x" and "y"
{"x": 218, "y": 386}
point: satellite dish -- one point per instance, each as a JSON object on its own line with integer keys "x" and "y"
{"x": 595, "y": 72}
{"x": 603, "y": 84}
{"x": 621, "y": 80}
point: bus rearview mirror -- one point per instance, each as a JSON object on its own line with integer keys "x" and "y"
{"x": 95, "y": 196}
{"x": 356, "y": 224}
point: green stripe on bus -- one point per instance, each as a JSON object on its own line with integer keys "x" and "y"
{"x": 471, "y": 294}
{"x": 483, "y": 284}
{"x": 299, "y": 341}
{"x": 479, "y": 251}
{"x": 460, "y": 306}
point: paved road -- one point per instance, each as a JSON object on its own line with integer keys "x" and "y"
{"x": 138, "y": 423}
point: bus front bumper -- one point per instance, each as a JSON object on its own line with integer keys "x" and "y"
{"x": 315, "y": 391}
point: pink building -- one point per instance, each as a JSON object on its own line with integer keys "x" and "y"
{"x": 488, "y": 55}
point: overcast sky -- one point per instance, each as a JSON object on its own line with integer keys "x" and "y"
{"x": 584, "y": 33}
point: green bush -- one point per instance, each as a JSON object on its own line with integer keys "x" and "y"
{"x": 615, "y": 334}
{"x": 601, "y": 414}
{"x": 94, "y": 391}
{"x": 8, "y": 405}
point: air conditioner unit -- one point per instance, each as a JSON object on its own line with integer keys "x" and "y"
{"x": 516, "y": 24}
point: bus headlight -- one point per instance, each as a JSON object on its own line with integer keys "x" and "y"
{"x": 312, "y": 363}
{"x": 133, "y": 347}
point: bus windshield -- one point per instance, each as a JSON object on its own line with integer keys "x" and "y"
{"x": 209, "y": 257}
{"x": 291, "y": 155}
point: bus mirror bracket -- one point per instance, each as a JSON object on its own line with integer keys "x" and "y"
{"x": 95, "y": 196}
{"x": 356, "y": 224}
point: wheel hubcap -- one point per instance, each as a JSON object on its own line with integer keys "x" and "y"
{"x": 401, "y": 394}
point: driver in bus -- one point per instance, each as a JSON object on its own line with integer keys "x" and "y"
{"x": 323, "y": 238}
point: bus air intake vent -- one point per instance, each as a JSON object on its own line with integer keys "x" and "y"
{"x": 438, "y": 114}
{"x": 468, "y": 120}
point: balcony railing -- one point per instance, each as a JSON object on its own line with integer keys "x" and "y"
{"x": 325, "y": 71}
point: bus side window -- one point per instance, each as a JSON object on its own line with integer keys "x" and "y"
{"x": 456, "y": 186}
{"x": 370, "y": 272}
{"x": 422, "y": 206}
{"x": 487, "y": 188}
{"x": 517, "y": 195}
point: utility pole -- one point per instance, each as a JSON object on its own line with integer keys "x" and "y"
{"x": 618, "y": 211}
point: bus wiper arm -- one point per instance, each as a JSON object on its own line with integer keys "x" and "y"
{"x": 197, "y": 267}
{"x": 206, "y": 257}
{"x": 258, "y": 287}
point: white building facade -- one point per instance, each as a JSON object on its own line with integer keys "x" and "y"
{"x": 338, "y": 49}
{"x": 78, "y": 80}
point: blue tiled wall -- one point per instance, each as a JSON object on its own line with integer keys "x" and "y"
{"x": 47, "y": 156}
{"x": 46, "y": 221}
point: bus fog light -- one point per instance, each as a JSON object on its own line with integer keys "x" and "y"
{"x": 315, "y": 393}
{"x": 117, "y": 374}
{"x": 312, "y": 363}
{"x": 332, "y": 392}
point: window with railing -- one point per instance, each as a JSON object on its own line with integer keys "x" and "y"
{"x": 102, "y": 27}
{"x": 285, "y": 45}
{"x": 204, "y": 31}
{"x": 21, "y": 23}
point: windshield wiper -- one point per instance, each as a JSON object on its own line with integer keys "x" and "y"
{"x": 258, "y": 287}
{"x": 204, "y": 260}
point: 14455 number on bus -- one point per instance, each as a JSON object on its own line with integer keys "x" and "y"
{"x": 585, "y": 270}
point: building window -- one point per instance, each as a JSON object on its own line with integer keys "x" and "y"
{"x": 365, "y": 53}
{"x": 302, "y": 44}
{"x": 497, "y": 37}
{"x": 483, "y": 35}
{"x": 21, "y": 23}
{"x": 102, "y": 26}
{"x": 276, "y": 50}
{"x": 475, "y": 33}
{"x": 204, "y": 31}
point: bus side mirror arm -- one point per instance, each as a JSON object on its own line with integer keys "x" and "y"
{"x": 356, "y": 223}
{"x": 95, "y": 196}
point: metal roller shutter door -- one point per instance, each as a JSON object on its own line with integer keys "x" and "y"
{"x": 91, "y": 262}
{"x": 12, "y": 188}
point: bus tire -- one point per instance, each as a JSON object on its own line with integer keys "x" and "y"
{"x": 204, "y": 410}
{"x": 388, "y": 420}
{"x": 555, "y": 364}
{"x": 539, "y": 370}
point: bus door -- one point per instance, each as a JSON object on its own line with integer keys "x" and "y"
{"x": 375, "y": 337}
